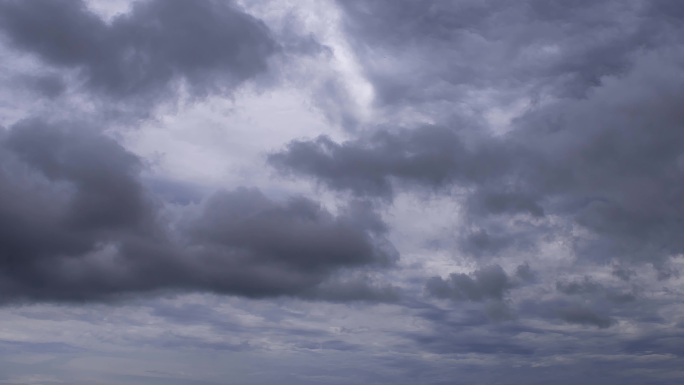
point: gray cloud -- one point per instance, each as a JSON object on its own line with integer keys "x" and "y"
{"x": 490, "y": 282}
{"x": 65, "y": 192}
{"x": 255, "y": 246}
{"x": 49, "y": 85}
{"x": 592, "y": 163}
{"x": 590, "y": 288}
{"x": 584, "y": 183}
{"x": 143, "y": 55}
{"x": 474, "y": 345}
{"x": 669, "y": 342}
{"x": 525, "y": 273}
{"x": 432, "y": 156}
{"x": 609, "y": 163}
{"x": 447, "y": 48}
{"x": 583, "y": 316}
{"x": 77, "y": 223}
{"x": 586, "y": 286}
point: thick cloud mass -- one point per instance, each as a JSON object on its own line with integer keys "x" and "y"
{"x": 259, "y": 247}
{"x": 589, "y": 169}
{"x": 609, "y": 162}
{"x": 77, "y": 223}
{"x": 358, "y": 191}
{"x": 210, "y": 45}
{"x": 446, "y": 48}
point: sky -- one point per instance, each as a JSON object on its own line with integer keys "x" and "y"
{"x": 341, "y": 192}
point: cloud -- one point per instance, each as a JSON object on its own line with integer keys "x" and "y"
{"x": 537, "y": 143}
{"x": 608, "y": 163}
{"x": 589, "y": 288}
{"x": 432, "y": 157}
{"x": 146, "y": 54}
{"x": 490, "y": 282}
{"x": 449, "y": 48}
{"x": 257, "y": 247}
{"x": 583, "y": 316}
{"x": 78, "y": 223}
{"x": 356, "y": 288}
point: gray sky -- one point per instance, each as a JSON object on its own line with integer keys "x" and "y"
{"x": 341, "y": 192}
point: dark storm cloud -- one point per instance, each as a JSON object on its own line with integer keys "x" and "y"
{"x": 143, "y": 55}
{"x": 62, "y": 190}
{"x": 610, "y": 162}
{"x": 594, "y": 167}
{"x": 446, "y": 48}
{"x": 77, "y": 223}
{"x": 593, "y": 163}
{"x": 255, "y": 246}
{"x": 490, "y": 282}
{"x": 300, "y": 231}
{"x": 613, "y": 161}
{"x": 432, "y": 156}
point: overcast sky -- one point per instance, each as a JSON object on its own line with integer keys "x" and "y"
{"x": 341, "y": 192}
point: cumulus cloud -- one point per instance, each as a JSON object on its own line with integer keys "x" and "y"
{"x": 609, "y": 163}
{"x": 432, "y": 157}
{"x": 143, "y": 55}
{"x": 78, "y": 223}
{"x": 588, "y": 169}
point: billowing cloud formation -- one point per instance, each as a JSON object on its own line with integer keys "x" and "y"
{"x": 259, "y": 247}
{"x": 209, "y": 46}
{"x": 610, "y": 162}
{"x": 524, "y": 158}
{"x": 77, "y": 223}
{"x": 577, "y": 153}
{"x": 430, "y": 157}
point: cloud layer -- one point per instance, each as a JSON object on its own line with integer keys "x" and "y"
{"x": 362, "y": 191}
